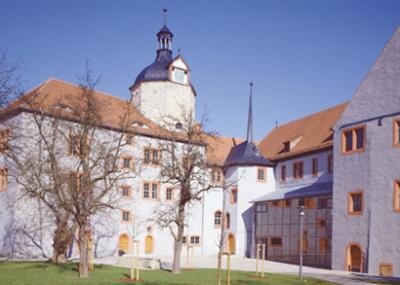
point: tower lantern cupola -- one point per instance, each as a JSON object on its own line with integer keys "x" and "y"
{"x": 164, "y": 35}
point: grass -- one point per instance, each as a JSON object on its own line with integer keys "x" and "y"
{"x": 41, "y": 273}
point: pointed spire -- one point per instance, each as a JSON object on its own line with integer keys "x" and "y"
{"x": 250, "y": 118}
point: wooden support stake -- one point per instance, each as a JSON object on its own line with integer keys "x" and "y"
{"x": 263, "y": 259}
{"x": 257, "y": 257}
{"x": 228, "y": 269}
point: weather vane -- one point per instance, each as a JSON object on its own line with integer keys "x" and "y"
{"x": 165, "y": 16}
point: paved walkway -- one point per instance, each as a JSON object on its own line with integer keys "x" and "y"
{"x": 246, "y": 264}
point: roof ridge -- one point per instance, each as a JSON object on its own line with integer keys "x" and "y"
{"x": 75, "y": 85}
{"x": 313, "y": 114}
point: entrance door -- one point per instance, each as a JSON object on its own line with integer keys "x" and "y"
{"x": 148, "y": 246}
{"x": 231, "y": 244}
{"x": 354, "y": 258}
{"x": 123, "y": 245}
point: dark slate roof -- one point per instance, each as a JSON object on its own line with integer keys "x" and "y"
{"x": 164, "y": 30}
{"x": 158, "y": 70}
{"x": 246, "y": 154}
{"x": 313, "y": 190}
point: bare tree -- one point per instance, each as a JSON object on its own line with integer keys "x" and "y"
{"x": 72, "y": 162}
{"x": 9, "y": 79}
{"x": 184, "y": 166}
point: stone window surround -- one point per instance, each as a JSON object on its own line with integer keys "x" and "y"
{"x": 354, "y": 148}
{"x": 350, "y": 211}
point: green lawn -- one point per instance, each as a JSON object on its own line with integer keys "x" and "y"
{"x": 39, "y": 273}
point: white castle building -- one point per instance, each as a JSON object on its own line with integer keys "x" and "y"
{"x": 161, "y": 95}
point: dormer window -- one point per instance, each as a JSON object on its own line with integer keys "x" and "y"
{"x": 179, "y": 75}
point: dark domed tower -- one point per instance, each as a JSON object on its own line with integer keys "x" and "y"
{"x": 162, "y": 91}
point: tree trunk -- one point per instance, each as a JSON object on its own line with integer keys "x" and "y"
{"x": 83, "y": 252}
{"x": 62, "y": 239}
{"x": 176, "y": 264}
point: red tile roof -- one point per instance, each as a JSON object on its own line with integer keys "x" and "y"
{"x": 307, "y": 134}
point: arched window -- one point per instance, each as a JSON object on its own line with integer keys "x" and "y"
{"x": 228, "y": 221}
{"x": 123, "y": 244}
{"x": 217, "y": 218}
{"x": 148, "y": 246}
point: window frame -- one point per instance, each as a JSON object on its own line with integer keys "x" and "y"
{"x": 3, "y": 179}
{"x": 283, "y": 173}
{"x": 314, "y": 167}
{"x": 167, "y": 189}
{"x": 129, "y": 213}
{"x": 4, "y": 140}
{"x": 128, "y": 188}
{"x": 150, "y": 191}
{"x": 330, "y": 164}
{"x": 149, "y": 159}
{"x": 396, "y": 195}
{"x": 296, "y": 169}
{"x": 194, "y": 243}
{"x": 220, "y": 218}
{"x": 396, "y": 132}
{"x": 354, "y": 141}
{"x": 233, "y": 199}
{"x": 275, "y": 238}
{"x": 350, "y": 203}
{"x": 264, "y": 171}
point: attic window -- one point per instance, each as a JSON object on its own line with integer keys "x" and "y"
{"x": 290, "y": 144}
{"x": 138, "y": 124}
{"x": 62, "y": 107}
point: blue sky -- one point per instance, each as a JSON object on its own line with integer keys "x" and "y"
{"x": 303, "y": 56}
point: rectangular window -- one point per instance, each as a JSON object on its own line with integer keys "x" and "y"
{"x": 194, "y": 240}
{"x": 151, "y": 156}
{"x": 73, "y": 143}
{"x": 396, "y": 198}
{"x": 146, "y": 159}
{"x": 234, "y": 193}
{"x": 261, "y": 174}
{"x": 324, "y": 203}
{"x": 298, "y": 169}
{"x": 126, "y": 191}
{"x": 275, "y": 241}
{"x": 126, "y": 216}
{"x": 353, "y": 140}
{"x": 150, "y": 190}
{"x": 129, "y": 139}
{"x": 4, "y": 138}
{"x": 396, "y": 132}
{"x": 216, "y": 177}
{"x": 168, "y": 194}
{"x": 330, "y": 164}
{"x": 283, "y": 172}
{"x": 154, "y": 191}
{"x": 126, "y": 163}
{"x": 262, "y": 208}
{"x": 315, "y": 167}
{"x": 146, "y": 190}
{"x": 184, "y": 240}
{"x": 3, "y": 179}
{"x": 355, "y": 203}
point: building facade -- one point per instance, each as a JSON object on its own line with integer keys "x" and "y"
{"x": 340, "y": 165}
